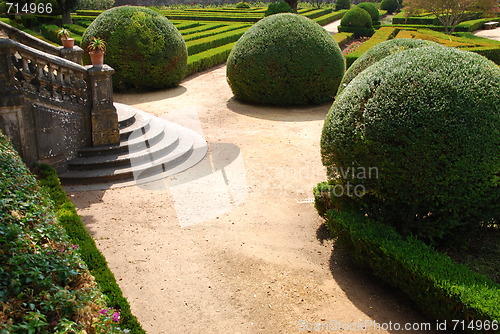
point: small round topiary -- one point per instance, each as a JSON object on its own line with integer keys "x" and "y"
{"x": 285, "y": 59}
{"x": 278, "y": 7}
{"x": 428, "y": 121}
{"x": 143, "y": 46}
{"x": 372, "y": 9}
{"x": 357, "y": 21}
{"x": 243, "y": 5}
{"x": 342, "y": 4}
{"x": 389, "y": 5}
{"x": 379, "y": 52}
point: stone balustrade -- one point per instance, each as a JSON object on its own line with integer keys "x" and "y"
{"x": 50, "y": 106}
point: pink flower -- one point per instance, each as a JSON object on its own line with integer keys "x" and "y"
{"x": 103, "y": 311}
{"x": 75, "y": 246}
{"x": 116, "y": 316}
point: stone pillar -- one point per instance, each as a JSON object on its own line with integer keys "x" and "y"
{"x": 104, "y": 118}
{"x": 11, "y": 101}
{"x": 74, "y": 54}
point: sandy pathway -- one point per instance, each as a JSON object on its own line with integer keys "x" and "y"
{"x": 227, "y": 247}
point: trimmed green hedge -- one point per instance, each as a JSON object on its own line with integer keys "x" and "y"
{"x": 144, "y": 48}
{"x": 379, "y": 52}
{"x": 432, "y": 133}
{"x": 342, "y": 4}
{"x": 342, "y": 38}
{"x": 200, "y": 28}
{"x": 209, "y": 58}
{"x": 285, "y": 59}
{"x": 473, "y": 25}
{"x": 441, "y": 288}
{"x": 325, "y": 19}
{"x": 357, "y": 21}
{"x": 372, "y": 9}
{"x": 75, "y": 28}
{"x": 78, "y": 234}
{"x": 382, "y": 34}
{"x": 214, "y": 32}
{"x": 211, "y": 42}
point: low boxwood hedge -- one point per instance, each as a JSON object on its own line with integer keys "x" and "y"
{"x": 381, "y": 35}
{"x": 211, "y": 42}
{"x": 209, "y": 58}
{"x": 325, "y": 19}
{"x": 442, "y": 288}
{"x": 214, "y": 32}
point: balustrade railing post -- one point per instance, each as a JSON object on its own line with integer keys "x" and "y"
{"x": 73, "y": 54}
{"x": 103, "y": 115}
{"x": 11, "y": 102}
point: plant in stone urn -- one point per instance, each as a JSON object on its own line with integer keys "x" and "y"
{"x": 97, "y": 47}
{"x": 66, "y": 41}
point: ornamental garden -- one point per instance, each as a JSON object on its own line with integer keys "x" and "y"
{"x": 411, "y": 146}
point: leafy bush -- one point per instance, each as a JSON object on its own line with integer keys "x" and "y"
{"x": 278, "y": 7}
{"x": 285, "y": 59}
{"x": 342, "y": 4}
{"x": 144, "y": 48}
{"x": 243, "y": 5}
{"x": 442, "y": 288}
{"x": 389, "y": 5}
{"x": 95, "y": 4}
{"x": 78, "y": 234}
{"x": 357, "y": 21}
{"x": 378, "y": 52}
{"x": 421, "y": 117}
{"x": 45, "y": 286}
{"x": 371, "y": 9}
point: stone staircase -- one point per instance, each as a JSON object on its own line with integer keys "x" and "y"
{"x": 150, "y": 148}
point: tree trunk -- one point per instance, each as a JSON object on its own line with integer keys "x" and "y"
{"x": 293, "y": 4}
{"x": 66, "y": 16}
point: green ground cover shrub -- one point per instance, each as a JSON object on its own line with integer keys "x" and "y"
{"x": 389, "y": 5}
{"x": 342, "y": 4}
{"x": 378, "y": 52}
{"x": 357, "y": 21}
{"x": 443, "y": 289}
{"x": 209, "y": 58}
{"x": 75, "y": 28}
{"x": 144, "y": 48}
{"x": 45, "y": 286}
{"x": 285, "y": 59}
{"x": 78, "y": 234}
{"x": 372, "y": 9}
{"x": 432, "y": 134}
{"x": 278, "y": 7}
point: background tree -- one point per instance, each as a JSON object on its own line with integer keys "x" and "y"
{"x": 449, "y": 12}
{"x": 66, "y": 6}
{"x": 293, "y": 4}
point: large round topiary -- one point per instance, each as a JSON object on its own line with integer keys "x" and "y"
{"x": 144, "y": 48}
{"x": 342, "y": 4}
{"x": 428, "y": 120}
{"x": 389, "y": 5}
{"x": 285, "y": 59}
{"x": 278, "y": 7}
{"x": 379, "y": 52}
{"x": 357, "y": 21}
{"x": 372, "y": 9}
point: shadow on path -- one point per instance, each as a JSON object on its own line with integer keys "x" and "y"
{"x": 378, "y": 300}
{"x": 280, "y": 114}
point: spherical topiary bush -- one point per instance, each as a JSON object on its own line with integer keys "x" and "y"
{"x": 378, "y": 52}
{"x": 342, "y": 4}
{"x": 427, "y": 121}
{"x": 144, "y": 48}
{"x": 243, "y": 5}
{"x": 285, "y": 59}
{"x": 372, "y": 9}
{"x": 278, "y": 7}
{"x": 357, "y": 21}
{"x": 389, "y": 5}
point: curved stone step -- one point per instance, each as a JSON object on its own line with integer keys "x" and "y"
{"x": 126, "y": 115}
{"x": 137, "y": 153}
{"x": 154, "y": 134}
{"x": 138, "y": 128}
